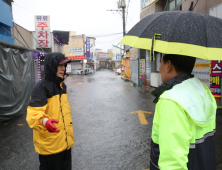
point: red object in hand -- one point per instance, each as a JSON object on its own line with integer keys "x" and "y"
{"x": 50, "y": 127}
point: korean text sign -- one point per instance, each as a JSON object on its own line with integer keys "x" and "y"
{"x": 87, "y": 48}
{"x": 42, "y": 31}
{"x": 215, "y": 76}
{"x": 202, "y": 71}
{"x": 142, "y": 67}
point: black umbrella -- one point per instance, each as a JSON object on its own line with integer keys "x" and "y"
{"x": 178, "y": 32}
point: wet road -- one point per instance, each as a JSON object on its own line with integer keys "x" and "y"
{"x": 112, "y": 126}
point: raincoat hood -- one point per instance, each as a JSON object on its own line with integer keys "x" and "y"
{"x": 51, "y": 63}
{"x": 195, "y": 98}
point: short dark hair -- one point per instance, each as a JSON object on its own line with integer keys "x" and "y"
{"x": 181, "y": 63}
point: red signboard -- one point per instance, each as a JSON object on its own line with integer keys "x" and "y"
{"x": 77, "y": 58}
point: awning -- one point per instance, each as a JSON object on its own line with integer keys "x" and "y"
{"x": 62, "y": 36}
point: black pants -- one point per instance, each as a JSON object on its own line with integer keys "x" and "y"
{"x": 59, "y": 161}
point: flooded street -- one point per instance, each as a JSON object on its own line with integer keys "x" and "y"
{"x": 112, "y": 127}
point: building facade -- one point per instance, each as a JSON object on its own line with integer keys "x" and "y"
{"x": 117, "y": 53}
{"x": 6, "y": 22}
{"x": 152, "y": 75}
{"x": 75, "y": 51}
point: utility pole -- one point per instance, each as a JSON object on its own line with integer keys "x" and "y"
{"x": 121, "y": 4}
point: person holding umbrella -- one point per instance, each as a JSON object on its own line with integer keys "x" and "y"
{"x": 184, "y": 123}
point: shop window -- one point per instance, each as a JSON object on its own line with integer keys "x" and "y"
{"x": 178, "y": 2}
{"x": 142, "y": 54}
{"x": 170, "y": 5}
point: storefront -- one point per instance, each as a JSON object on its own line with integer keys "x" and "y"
{"x": 76, "y": 64}
{"x": 134, "y": 66}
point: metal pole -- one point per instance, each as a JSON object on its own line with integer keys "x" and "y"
{"x": 124, "y": 25}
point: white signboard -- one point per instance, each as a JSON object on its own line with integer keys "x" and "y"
{"x": 75, "y": 49}
{"x": 202, "y": 71}
{"x": 42, "y": 31}
{"x": 79, "y": 53}
{"x": 68, "y": 68}
{"x": 103, "y": 55}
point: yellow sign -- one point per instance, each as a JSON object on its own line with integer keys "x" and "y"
{"x": 202, "y": 65}
{"x": 110, "y": 54}
{"x": 141, "y": 115}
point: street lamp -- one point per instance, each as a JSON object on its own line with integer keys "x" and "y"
{"x": 85, "y": 61}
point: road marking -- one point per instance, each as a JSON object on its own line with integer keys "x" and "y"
{"x": 20, "y": 124}
{"x": 141, "y": 115}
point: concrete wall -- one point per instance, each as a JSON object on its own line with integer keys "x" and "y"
{"x": 202, "y": 6}
{"x": 27, "y": 35}
{"x": 115, "y": 51}
{"x": 57, "y": 47}
{"x": 75, "y": 41}
{"x": 157, "y": 7}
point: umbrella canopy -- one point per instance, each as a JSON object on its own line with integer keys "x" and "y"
{"x": 180, "y": 32}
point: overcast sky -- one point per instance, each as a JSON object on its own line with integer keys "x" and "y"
{"x": 89, "y": 17}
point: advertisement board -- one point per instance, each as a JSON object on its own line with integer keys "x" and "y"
{"x": 79, "y": 53}
{"x": 70, "y": 50}
{"x": 87, "y": 48}
{"x": 202, "y": 71}
{"x": 148, "y": 67}
{"x": 42, "y": 31}
{"x": 77, "y": 58}
{"x": 142, "y": 68}
{"x": 103, "y": 55}
{"x": 215, "y": 78}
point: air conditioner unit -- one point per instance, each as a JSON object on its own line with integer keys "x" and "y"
{"x": 155, "y": 79}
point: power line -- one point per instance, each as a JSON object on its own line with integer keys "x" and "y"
{"x": 20, "y": 34}
{"x": 104, "y": 35}
{"x": 13, "y": 36}
{"x": 54, "y": 19}
{"x": 110, "y": 26}
{"x": 60, "y": 21}
{"x": 195, "y": 4}
{"x": 109, "y": 41}
{"x": 127, "y": 10}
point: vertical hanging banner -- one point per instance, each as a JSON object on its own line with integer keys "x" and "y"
{"x": 148, "y": 67}
{"x": 87, "y": 48}
{"x": 142, "y": 68}
{"x": 42, "y": 31}
{"x": 215, "y": 76}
